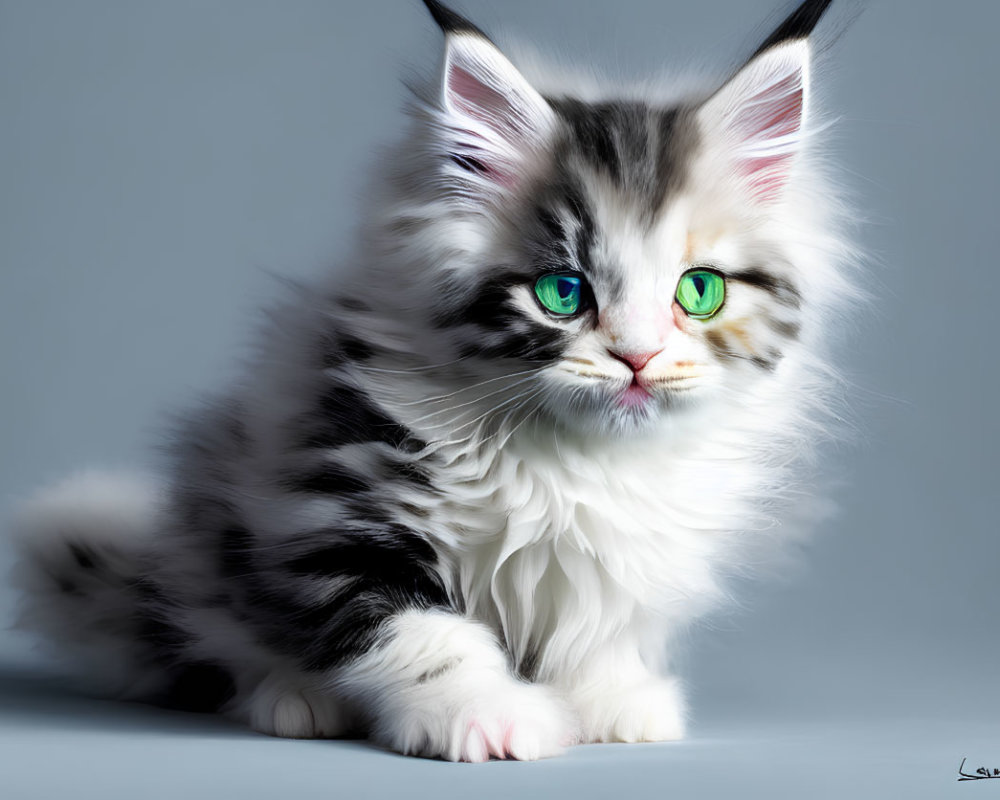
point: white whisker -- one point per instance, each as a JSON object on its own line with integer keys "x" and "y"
{"x": 470, "y": 402}
{"x": 442, "y": 397}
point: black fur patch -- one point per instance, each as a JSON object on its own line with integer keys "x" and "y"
{"x": 416, "y": 511}
{"x": 489, "y": 305}
{"x": 154, "y": 627}
{"x": 391, "y": 572}
{"x": 529, "y": 664}
{"x": 388, "y": 558}
{"x": 783, "y": 290}
{"x": 450, "y": 21}
{"x": 345, "y": 415}
{"x": 354, "y": 348}
{"x": 643, "y": 150}
{"x": 411, "y": 473}
{"x": 470, "y": 164}
{"x": 339, "y": 347}
{"x": 200, "y": 687}
{"x": 537, "y": 343}
{"x": 366, "y": 512}
{"x": 234, "y": 552}
{"x": 390, "y": 568}
{"x": 200, "y": 511}
{"x": 551, "y": 247}
{"x": 83, "y": 555}
{"x": 68, "y": 586}
{"x": 326, "y": 479}
{"x": 353, "y": 303}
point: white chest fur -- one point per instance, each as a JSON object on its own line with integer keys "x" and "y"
{"x": 562, "y": 550}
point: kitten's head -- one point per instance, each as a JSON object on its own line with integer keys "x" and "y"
{"x": 643, "y": 258}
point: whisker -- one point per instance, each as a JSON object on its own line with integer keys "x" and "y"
{"x": 508, "y": 415}
{"x": 470, "y": 402}
{"x": 516, "y": 427}
{"x": 411, "y": 370}
{"x": 469, "y": 388}
{"x": 481, "y": 417}
{"x": 490, "y": 412}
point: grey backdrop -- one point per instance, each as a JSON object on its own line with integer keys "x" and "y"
{"x": 157, "y": 160}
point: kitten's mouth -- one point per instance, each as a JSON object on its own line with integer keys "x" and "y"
{"x": 642, "y": 392}
{"x": 635, "y": 395}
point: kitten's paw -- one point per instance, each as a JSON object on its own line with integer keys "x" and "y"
{"x": 651, "y": 711}
{"x": 278, "y": 707}
{"x": 500, "y": 719}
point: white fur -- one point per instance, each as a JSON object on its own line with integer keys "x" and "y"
{"x": 441, "y": 686}
{"x": 288, "y": 705}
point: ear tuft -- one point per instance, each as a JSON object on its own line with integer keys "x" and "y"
{"x": 798, "y": 25}
{"x": 451, "y": 21}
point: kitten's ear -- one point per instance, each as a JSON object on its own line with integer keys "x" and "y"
{"x": 493, "y": 122}
{"x": 760, "y": 114}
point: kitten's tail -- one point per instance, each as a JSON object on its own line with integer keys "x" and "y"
{"x": 84, "y": 546}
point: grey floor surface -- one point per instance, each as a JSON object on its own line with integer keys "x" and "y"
{"x": 54, "y": 743}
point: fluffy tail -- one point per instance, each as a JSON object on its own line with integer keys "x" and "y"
{"x": 85, "y": 546}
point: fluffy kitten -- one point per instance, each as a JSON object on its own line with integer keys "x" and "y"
{"x": 464, "y": 495}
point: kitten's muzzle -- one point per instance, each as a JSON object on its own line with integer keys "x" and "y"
{"x": 635, "y": 361}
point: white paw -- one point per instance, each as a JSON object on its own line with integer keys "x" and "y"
{"x": 651, "y": 711}
{"x": 279, "y": 707}
{"x": 461, "y": 721}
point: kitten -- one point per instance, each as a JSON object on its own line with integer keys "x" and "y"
{"x": 467, "y": 491}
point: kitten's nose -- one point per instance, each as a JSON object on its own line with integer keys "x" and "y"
{"x": 635, "y": 360}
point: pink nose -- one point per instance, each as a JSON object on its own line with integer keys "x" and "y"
{"x": 635, "y": 360}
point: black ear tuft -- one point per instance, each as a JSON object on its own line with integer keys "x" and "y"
{"x": 799, "y": 24}
{"x": 450, "y": 21}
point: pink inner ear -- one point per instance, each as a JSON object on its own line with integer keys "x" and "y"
{"x": 486, "y": 105}
{"x": 474, "y": 97}
{"x": 768, "y": 123}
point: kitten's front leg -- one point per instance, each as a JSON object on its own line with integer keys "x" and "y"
{"x": 437, "y": 684}
{"x": 618, "y": 699}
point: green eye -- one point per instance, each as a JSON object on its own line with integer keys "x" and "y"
{"x": 559, "y": 294}
{"x": 701, "y": 293}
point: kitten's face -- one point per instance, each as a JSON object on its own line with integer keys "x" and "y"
{"x": 627, "y": 253}
{"x": 645, "y": 294}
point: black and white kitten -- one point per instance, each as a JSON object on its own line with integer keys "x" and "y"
{"x": 465, "y": 493}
